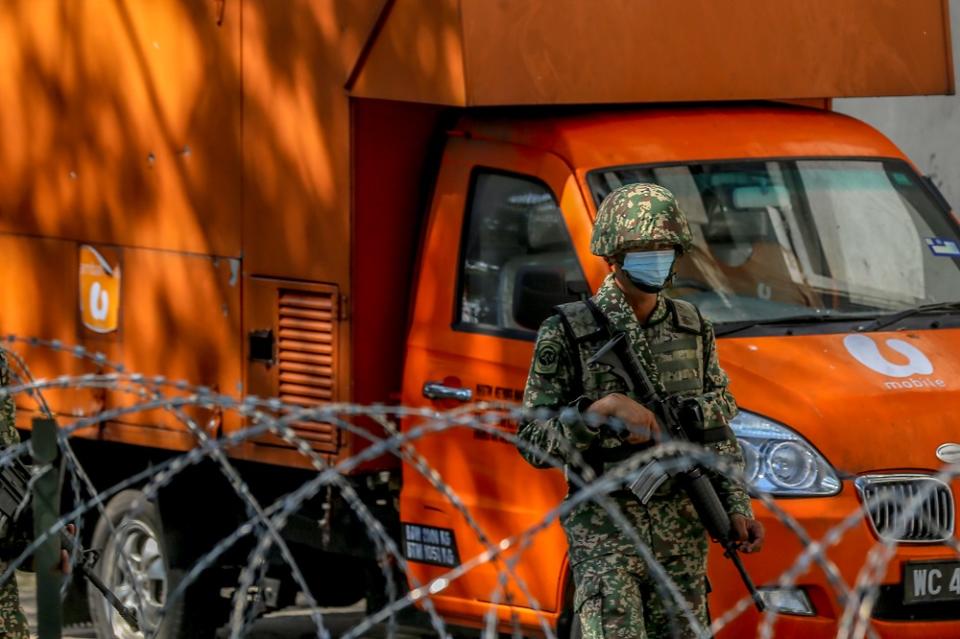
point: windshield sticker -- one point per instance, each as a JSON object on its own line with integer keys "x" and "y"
{"x": 915, "y": 373}
{"x": 943, "y": 247}
{"x": 901, "y": 179}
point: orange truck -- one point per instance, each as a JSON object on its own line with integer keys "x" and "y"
{"x": 378, "y": 202}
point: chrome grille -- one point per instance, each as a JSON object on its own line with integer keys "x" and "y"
{"x": 908, "y": 508}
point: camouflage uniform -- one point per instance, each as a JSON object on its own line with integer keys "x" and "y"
{"x": 616, "y": 594}
{"x": 13, "y": 623}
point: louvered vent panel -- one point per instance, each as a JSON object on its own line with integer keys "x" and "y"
{"x": 306, "y": 334}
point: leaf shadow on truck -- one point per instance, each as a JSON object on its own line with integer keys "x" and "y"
{"x": 362, "y": 203}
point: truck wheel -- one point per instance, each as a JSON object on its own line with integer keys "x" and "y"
{"x": 147, "y": 569}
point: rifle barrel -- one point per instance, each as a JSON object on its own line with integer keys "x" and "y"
{"x": 126, "y": 613}
{"x": 84, "y": 571}
{"x": 730, "y": 551}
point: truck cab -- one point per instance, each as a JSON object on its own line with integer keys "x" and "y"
{"x": 812, "y": 235}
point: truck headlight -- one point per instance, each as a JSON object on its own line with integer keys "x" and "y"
{"x": 781, "y": 462}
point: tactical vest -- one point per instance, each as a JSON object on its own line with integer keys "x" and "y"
{"x": 678, "y": 365}
{"x": 676, "y": 347}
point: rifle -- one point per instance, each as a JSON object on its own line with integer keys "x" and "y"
{"x": 15, "y": 518}
{"x": 672, "y": 413}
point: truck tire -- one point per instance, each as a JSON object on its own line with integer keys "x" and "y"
{"x": 139, "y": 537}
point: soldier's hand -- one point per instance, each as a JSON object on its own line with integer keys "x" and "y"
{"x": 748, "y": 532}
{"x": 64, "y": 555}
{"x": 639, "y": 419}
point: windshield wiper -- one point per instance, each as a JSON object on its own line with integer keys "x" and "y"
{"x": 889, "y": 320}
{"x": 729, "y": 328}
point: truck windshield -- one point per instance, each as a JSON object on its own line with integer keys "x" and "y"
{"x": 820, "y": 237}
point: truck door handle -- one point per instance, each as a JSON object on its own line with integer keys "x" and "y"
{"x": 437, "y": 390}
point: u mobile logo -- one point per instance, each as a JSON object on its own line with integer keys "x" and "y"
{"x": 99, "y": 291}
{"x": 913, "y": 373}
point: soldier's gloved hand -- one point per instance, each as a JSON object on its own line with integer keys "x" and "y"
{"x": 749, "y": 532}
{"x": 641, "y": 422}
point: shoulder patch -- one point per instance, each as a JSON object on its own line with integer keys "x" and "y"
{"x": 687, "y": 316}
{"x": 547, "y": 357}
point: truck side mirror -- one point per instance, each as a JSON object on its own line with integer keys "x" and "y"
{"x": 537, "y": 289}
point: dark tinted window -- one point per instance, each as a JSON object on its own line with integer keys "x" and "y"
{"x": 517, "y": 261}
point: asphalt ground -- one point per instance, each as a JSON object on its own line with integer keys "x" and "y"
{"x": 291, "y": 623}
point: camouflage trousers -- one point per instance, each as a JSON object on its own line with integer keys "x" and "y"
{"x": 13, "y": 623}
{"x": 618, "y": 596}
{"x": 622, "y": 604}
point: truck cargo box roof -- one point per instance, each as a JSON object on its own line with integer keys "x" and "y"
{"x": 477, "y": 52}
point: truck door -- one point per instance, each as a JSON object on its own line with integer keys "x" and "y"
{"x": 507, "y": 239}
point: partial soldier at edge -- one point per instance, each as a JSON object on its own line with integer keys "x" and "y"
{"x": 13, "y": 621}
{"x": 640, "y": 231}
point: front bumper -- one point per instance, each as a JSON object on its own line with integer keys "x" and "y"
{"x": 851, "y": 558}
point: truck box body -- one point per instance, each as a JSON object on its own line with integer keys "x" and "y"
{"x": 271, "y": 200}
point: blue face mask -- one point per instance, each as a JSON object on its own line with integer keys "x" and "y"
{"x": 649, "y": 270}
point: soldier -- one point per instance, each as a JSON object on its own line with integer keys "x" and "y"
{"x": 640, "y": 231}
{"x": 13, "y": 623}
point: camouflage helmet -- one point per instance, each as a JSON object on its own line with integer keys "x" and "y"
{"x": 636, "y": 217}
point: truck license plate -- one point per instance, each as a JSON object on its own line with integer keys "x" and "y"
{"x": 926, "y": 581}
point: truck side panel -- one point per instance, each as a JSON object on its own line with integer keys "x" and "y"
{"x": 121, "y": 124}
{"x": 31, "y": 269}
{"x": 161, "y": 299}
{"x": 296, "y": 136}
